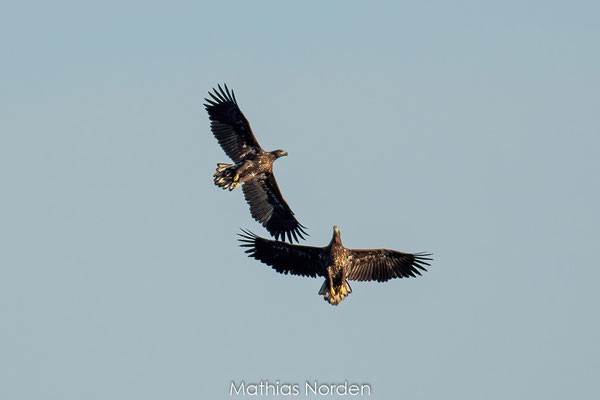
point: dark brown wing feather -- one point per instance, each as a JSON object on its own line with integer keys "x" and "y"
{"x": 229, "y": 125}
{"x": 268, "y": 207}
{"x": 285, "y": 258}
{"x": 382, "y": 264}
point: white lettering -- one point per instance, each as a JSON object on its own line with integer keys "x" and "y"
{"x": 342, "y": 390}
{"x": 252, "y": 389}
{"x": 324, "y": 390}
{"x": 363, "y": 387}
{"x": 271, "y": 386}
{"x": 237, "y": 391}
{"x": 308, "y": 387}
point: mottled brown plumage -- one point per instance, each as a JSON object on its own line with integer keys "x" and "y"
{"x": 335, "y": 263}
{"x": 253, "y": 167}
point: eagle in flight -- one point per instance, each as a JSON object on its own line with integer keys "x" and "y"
{"x": 334, "y": 262}
{"x": 253, "y": 167}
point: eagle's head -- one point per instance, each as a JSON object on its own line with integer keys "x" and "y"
{"x": 337, "y": 238}
{"x": 279, "y": 153}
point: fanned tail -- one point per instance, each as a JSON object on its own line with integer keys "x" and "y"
{"x": 226, "y": 176}
{"x": 340, "y": 294}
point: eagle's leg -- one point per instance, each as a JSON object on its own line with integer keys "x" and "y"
{"x": 243, "y": 173}
{"x": 331, "y": 287}
{"x": 343, "y": 291}
{"x": 345, "y": 288}
{"x": 229, "y": 176}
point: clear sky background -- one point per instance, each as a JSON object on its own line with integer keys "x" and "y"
{"x": 466, "y": 129}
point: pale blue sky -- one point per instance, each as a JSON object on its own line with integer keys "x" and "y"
{"x": 467, "y": 129}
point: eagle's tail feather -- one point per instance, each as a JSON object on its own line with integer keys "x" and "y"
{"x": 226, "y": 176}
{"x": 340, "y": 293}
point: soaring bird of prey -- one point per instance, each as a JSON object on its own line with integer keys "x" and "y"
{"x": 334, "y": 262}
{"x": 253, "y": 167}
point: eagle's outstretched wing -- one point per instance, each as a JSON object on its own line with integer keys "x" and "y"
{"x": 268, "y": 207}
{"x": 382, "y": 264}
{"x": 229, "y": 125}
{"x": 285, "y": 258}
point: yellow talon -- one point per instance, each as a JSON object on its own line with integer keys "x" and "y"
{"x": 343, "y": 291}
{"x": 236, "y": 177}
{"x": 332, "y": 290}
